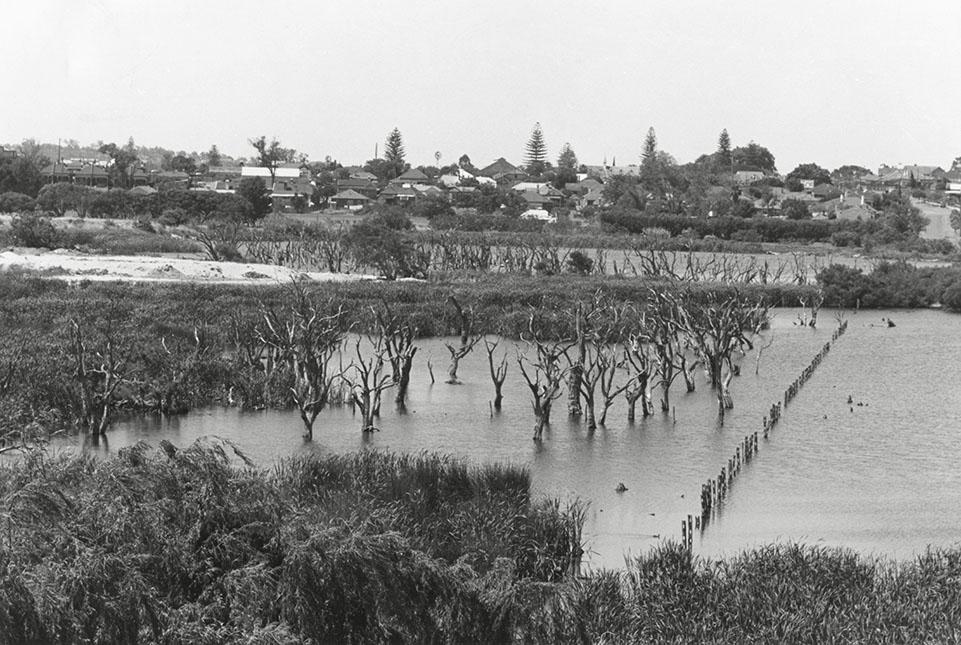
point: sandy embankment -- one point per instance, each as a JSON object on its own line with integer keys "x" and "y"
{"x": 66, "y": 265}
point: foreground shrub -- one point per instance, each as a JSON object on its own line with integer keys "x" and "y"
{"x": 194, "y": 545}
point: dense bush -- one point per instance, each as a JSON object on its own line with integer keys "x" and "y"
{"x": 34, "y": 231}
{"x": 184, "y": 546}
{"x": 769, "y": 229}
{"x": 16, "y": 203}
{"x": 891, "y": 284}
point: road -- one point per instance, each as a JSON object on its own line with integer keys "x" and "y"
{"x": 940, "y": 226}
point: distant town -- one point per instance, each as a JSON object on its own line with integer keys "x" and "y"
{"x": 729, "y": 181}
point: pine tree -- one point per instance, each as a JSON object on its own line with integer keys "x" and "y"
{"x": 649, "y": 154}
{"x": 536, "y": 151}
{"x": 650, "y": 175}
{"x": 394, "y": 148}
{"x": 567, "y": 158}
{"x": 724, "y": 145}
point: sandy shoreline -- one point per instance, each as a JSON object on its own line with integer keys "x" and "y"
{"x": 67, "y": 265}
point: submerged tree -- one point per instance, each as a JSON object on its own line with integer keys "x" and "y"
{"x": 398, "y": 341}
{"x": 543, "y": 375}
{"x": 306, "y": 337}
{"x": 498, "y": 371}
{"x": 367, "y": 381}
{"x": 468, "y": 339}
{"x": 718, "y": 325}
{"x": 642, "y": 364}
{"x": 102, "y": 366}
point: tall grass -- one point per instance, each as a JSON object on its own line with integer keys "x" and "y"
{"x": 194, "y": 545}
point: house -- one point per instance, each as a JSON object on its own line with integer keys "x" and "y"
{"x": 7, "y": 153}
{"x": 824, "y": 191}
{"x": 410, "y": 177}
{"x": 503, "y": 172}
{"x": 455, "y": 178}
{"x": 284, "y": 192}
{"x": 362, "y": 174}
{"x": 428, "y": 191}
{"x": 952, "y": 182}
{"x": 75, "y": 171}
{"x": 747, "y": 177}
{"x": 536, "y": 186}
{"x": 360, "y": 185}
{"x": 397, "y": 194}
{"x": 927, "y": 177}
{"x": 536, "y": 200}
{"x": 592, "y": 198}
{"x": 584, "y": 186}
{"x": 176, "y": 177}
{"x": 281, "y": 172}
{"x": 142, "y": 191}
{"x": 349, "y": 200}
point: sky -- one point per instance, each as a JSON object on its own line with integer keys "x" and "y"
{"x": 826, "y": 82}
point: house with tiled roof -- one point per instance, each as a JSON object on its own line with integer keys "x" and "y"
{"x": 411, "y": 176}
{"x": 349, "y": 199}
{"x": 502, "y": 171}
{"x": 535, "y": 199}
{"x": 397, "y": 194}
{"x": 363, "y": 186}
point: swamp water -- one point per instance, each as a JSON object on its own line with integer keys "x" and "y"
{"x": 884, "y": 478}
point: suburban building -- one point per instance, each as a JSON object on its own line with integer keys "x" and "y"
{"x": 503, "y": 172}
{"x": 410, "y": 177}
{"x": 349, "y": 199}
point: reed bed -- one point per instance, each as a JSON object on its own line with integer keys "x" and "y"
{"x": 195, "y": 545}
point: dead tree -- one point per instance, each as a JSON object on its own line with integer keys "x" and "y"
{"x": 170, "y": 389}
{"x": 599, "y": 322}
{"x": 467, "y": 340}
{"x": 605, "y": 363}
{"x": 306, "y": 337}
{"x": 543, "y": 375}
{"x": 498, "y": 371}
{"x": 367, "y": 381}
{"x": 717, "y": 325}
{"x": 642, "y": 362}
{"x": 99, "y": 372}
{"x": 665, "y": 337}
{"x": 760, "y": 348}
{"x": 398, "y": 340}
{"x": 688, "y": 368}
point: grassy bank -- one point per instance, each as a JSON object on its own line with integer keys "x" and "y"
{"x": 191, "y": 545}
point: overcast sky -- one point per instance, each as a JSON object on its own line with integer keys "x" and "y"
{"x": 829, "y": 82}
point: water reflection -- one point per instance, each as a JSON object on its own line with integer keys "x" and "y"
{"x": 882, "y": 477}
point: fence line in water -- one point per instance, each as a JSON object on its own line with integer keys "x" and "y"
{"x": 714, "y": 491}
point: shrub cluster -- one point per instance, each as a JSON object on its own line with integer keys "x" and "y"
{"x": 891, "y": 285}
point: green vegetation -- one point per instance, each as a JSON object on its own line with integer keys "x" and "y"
{"x": 188, "y": 545}
{"x": 185, "y": 345}
{"x": 891, "y": 285}
{"x": 181, "y": 546}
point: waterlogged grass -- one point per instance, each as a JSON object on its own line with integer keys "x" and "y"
{"x": 195, "y": 546}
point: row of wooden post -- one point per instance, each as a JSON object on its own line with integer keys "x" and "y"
{"x": 714, "y": 491}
